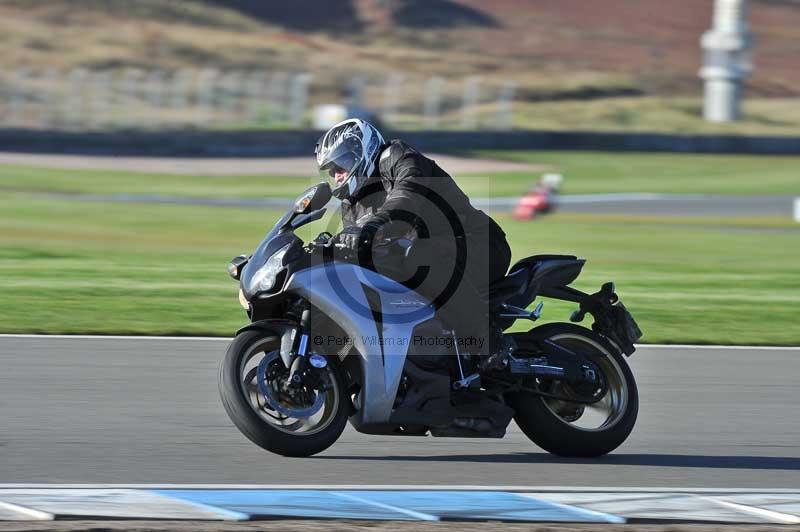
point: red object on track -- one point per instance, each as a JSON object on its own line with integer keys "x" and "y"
{"x": 535, "y": 201}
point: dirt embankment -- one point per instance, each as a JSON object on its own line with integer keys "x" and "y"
{"x": 553, "y": 48}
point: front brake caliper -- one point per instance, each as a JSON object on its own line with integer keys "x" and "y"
{"x": 271, "y": 395}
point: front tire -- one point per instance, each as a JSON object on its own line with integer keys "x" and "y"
{"x": 556, "y": 426}
{"x": 270, "y": 429}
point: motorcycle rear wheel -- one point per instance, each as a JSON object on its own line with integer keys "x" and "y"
{"x": 572, "y": 430}
{"x": 251, "y": 413}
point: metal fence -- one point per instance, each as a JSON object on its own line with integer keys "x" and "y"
{"x": 83, "y": 99}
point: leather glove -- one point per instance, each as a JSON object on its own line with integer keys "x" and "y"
{"x": 349, "y": 238}
{"x": 358, "y": 239}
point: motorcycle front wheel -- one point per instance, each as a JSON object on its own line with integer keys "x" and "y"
{"x": 572, "y": 429}
{"x": 281, "y": 419}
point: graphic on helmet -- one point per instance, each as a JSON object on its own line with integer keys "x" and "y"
{"x": 346, "y": 155}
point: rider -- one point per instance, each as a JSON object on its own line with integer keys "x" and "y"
{"x": 390, "y": 190}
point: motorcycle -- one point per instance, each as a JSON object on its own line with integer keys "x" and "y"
{"x": 331, "y": 341}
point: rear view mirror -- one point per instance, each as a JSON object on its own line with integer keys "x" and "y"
{"x": 236, "y": 266}
{"x": 313, "y": 199}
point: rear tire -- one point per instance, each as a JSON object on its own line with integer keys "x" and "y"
{"x": 537, "y": 416}
{"x": 238, "y": 405}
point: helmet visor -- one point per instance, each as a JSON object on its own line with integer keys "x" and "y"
{"x": 342, "y": 163}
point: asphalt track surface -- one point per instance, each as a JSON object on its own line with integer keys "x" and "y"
{"x": 678, "y": 205}
{"x": 112, "y": 410}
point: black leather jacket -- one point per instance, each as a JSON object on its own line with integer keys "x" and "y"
{"x": 410, "y": 187}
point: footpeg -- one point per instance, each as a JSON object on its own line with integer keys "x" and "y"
{"x": 473, "y": 380}
{"x": 510, "y": 311}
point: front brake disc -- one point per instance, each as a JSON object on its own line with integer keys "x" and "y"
{"x": 271, "y": 396}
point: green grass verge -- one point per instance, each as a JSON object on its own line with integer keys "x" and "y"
{"x": 686, "y": 281}
{"x": 602, "y": 172}
{"x": 76, "y": 267}
{"x": 104, "y": 182}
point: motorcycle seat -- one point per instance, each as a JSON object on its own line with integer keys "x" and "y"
{"x": 509, "y": 286}
{"x": 528, "y": 275}
{"x": 543, "y": 273}
{"x": 531, "y": 263}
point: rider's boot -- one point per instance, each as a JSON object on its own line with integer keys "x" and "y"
{"x": 500, "y": 348}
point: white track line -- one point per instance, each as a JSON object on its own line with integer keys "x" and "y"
{"x": 225, "y": 339}
{"x": 228, "y": 515}
{"x": 777, "y": 517}
{"x": 730, "y": 347}
{"x": 411, "y": 513}
{"x": 574, "y": 508}
{"x": 28, "y": 512}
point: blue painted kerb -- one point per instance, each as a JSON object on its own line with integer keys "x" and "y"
{"x": 390, "y": 505}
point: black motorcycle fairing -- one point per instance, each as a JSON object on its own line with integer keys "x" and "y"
{"x": 307, "y": 218}
{"x": 282, "y": 233}
{"x": 273, "y": 242}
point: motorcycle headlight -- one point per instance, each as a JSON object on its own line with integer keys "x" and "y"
{"x": 264, "y": 278}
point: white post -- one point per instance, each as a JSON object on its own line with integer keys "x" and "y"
{"x": 231, "y": 85}
{"x": 48, "y": 110}
{"x": 727, "y": 60}
{"x": 126, "y": 110}
{"x": 155, "y": 88}
{"x": 505, "y": 102}
{"x": 432, "y": 89}
{"x": 75, "y": 101}
{"x": 355, "y": 93}
{"x": 391, "y": 97}
{"x": 37, "y": 99}
{"x": 256, "y": 90}
{"x": 16, "y": 105}
{"x": 204, "y": 104}
{"x": 277, "y": 92}
{"x": 181, "y": 84}
{"x": 101, "y": 84}
{"x": 797, "y": 210}
{"x": 298, "y": 92}
{"x": 470, "y": 98}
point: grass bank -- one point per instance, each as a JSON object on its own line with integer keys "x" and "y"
{"x": 603, "y": 172}
{"x": 77, "y": 267}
